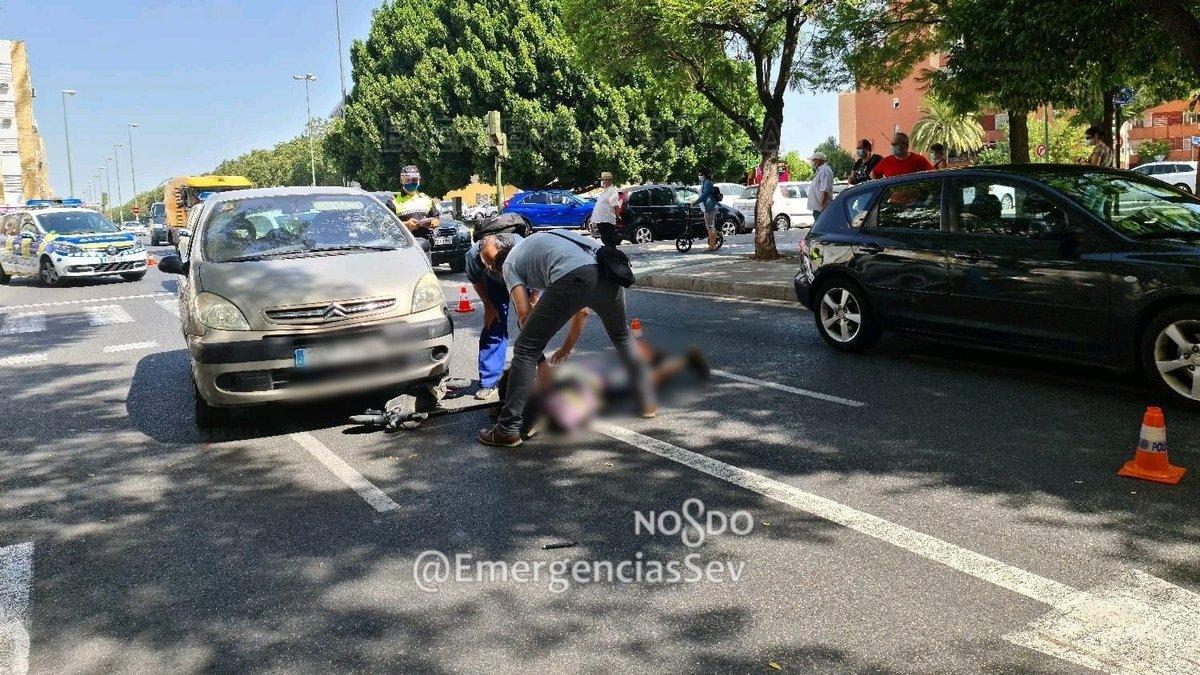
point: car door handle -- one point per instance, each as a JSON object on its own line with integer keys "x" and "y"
{"x": 972, "y": 256}
{"x": 871, "y": 248}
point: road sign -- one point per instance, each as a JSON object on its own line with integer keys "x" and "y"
{"x": 1041, "y": 150}
{"x": 1124, "y": 96}
{"x": 1196, "y": 141}
{"x": 136, "y": 210}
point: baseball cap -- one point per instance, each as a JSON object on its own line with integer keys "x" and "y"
{"x": 819, "y": 155}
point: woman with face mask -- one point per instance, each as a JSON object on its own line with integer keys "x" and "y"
{"x": 864, "y": 163}
{"x": 937, "y": 156}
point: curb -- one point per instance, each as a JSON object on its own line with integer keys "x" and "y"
{"x": 694, "y": 284}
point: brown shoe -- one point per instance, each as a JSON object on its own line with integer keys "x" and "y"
{"x": 649, "y": 412}
{"x": 495, "y": 436}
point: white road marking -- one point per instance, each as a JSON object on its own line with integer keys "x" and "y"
{"x": 24, "y": 360}
{"x": 791, "y": 390}
{"x": 365, "y": 489}
{"x": 107, "y": 315}
{"x": 16, "y": 575}
{"x": 27, "y": 322}
{"x": 171, "y": 305}
{"x": 129, "y": 347}
{"x": 88, "y": 301}
{"x": 1138, "y": 624}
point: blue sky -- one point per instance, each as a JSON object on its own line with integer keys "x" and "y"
{"x": 208, "y": 80}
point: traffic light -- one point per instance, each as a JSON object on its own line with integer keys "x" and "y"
{"x": 496, "y": 137}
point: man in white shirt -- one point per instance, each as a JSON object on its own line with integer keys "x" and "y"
{"x": 604, "y": 215}
{"x": 820, "y": 193}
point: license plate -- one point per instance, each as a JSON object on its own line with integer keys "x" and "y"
{"x": 338, "y": 354}
{"x": 443, "y": 241}
{"x": 103, "y": 260}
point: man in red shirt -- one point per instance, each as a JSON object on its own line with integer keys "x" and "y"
{"x": 901, "y": 161}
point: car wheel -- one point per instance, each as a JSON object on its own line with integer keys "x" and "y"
{"x": 1185, "y": 187}
{"x": 843, "y": 316}
{"x": 1170, "y": 352}
{"x": 729, "y": 227}
{"x": 134, "y": 276}
{"x": 782, "y": 222}
{"x": 5, "y": 277}
{"x": 683, "y": 244}
{"x": 643, "y": 235}
{"x": 1006, "y": 202}
{"x": 590, "y": 227}
{"x": 48, "y": 274}
{"x": 458, "y": 265}
{"x": 209, "y": 418}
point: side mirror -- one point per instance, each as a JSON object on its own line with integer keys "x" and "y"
{"x": 173, "y": 264}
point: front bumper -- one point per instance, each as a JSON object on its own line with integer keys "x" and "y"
{"x": 449, "y": 254}
{"x": 803, "y": 284}
{"x": 263, "y": 367}
{"x": 97, "y": 265}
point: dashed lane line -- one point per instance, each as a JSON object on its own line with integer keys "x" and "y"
{"x": 790, "y": 390}
{"x": 355, "y": 480}
{"x": 27, "y": 322}
{"x": 24, "y": 360}
{"x": 130, "y": 347}
{"x": 86, "y": 301}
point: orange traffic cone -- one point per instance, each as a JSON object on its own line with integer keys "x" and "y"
{"x": 1150, "y": 457}
{"x": 635, "y": 329}
{"x": 464, "y": 303}
{"x": 151, "y": 261}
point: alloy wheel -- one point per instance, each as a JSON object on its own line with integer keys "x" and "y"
{"x": 643, "y": 235}
{"x": 729, "y": 228}
{"x": 841, "y": 314}
{"x": 1177, "y": 356}
{"x": 49, "y": 274}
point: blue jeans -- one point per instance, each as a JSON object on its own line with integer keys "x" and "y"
{"x": 493, "y": 339}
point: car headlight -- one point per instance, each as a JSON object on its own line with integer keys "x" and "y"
{"x": 428, "y": 293}
{"x": 219, "y": 313}
{"x": 63, "y": 248}
{"x": 136, "y": 248}
{"x": 463, "y": 232}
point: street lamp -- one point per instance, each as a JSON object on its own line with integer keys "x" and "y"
{"x": 108, "y": 181}
{"x": 312, "y": 152}
{"x": 337, "y": 8}
{"x": 132, "y": 174}
{"x": 67, "y": 133}
{"x": 117, "y": 165}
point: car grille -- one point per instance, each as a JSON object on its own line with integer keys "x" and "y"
{"x": 329, "y": 312}
{"x": 110, "y": 267}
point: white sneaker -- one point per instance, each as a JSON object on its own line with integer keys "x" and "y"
{"x": 485, "y": 393}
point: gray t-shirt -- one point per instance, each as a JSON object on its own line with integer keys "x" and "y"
{"x": 475, "y": 267}
{"x": 544, "y": 258}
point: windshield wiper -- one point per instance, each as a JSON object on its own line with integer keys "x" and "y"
{"x": 353, "y": 247}
{"x": 261, "y": 256}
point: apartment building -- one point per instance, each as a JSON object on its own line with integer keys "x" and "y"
{"x": 1175, "y": 121}
{"x": 23, "y": 171}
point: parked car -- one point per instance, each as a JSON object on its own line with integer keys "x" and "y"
{"x": 56, "y": 243}
{"x": 789, "y": 208}
{"x": 447, "y": 244}
{"x": 300, "y": 293}
{"x": 1180, "y": 174}
{"x": 1094, "y": 265}
{"x": 543, "y": 209}
{"x": 135, "y": 228}
{"x": 650, "y": 212}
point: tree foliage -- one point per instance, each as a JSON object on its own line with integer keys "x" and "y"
{"x": 960, "y": 132}
{"x": 838, "y": 159}
{"x": 287, "y": 163}
{"x": 1151, "y": 149}
{"x": 798, "y": 167}
{"x": 429, "y": 70}
{"x": 1066, "y": 144}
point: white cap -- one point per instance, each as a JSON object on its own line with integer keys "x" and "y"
{"x": 819, "y": 155}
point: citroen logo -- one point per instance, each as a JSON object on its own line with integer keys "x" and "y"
{"x": 333, "y": 311}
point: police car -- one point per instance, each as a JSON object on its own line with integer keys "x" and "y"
{"x": 59, "y": 239}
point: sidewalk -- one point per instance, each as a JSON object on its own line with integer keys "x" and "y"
{"x": 736, "y": 276}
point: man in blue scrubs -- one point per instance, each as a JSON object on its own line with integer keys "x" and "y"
{"x": 493, "y": 338}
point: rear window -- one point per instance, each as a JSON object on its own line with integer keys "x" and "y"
{"x": 858, "y": 207}
{"x": 262, "y": 227}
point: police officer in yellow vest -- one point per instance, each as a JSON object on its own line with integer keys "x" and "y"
{"x": 417, "y": 210}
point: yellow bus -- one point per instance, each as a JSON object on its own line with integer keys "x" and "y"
{"x": 184, "y": 192}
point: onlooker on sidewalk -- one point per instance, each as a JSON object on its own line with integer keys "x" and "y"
{"x": 901, "y": 161}
{"x": 604, "y": 215}
{"x": 937, "y": 153}
{"x": 708, "y": 205}
{"x": 820, "y": 193}
{"x": 864, "y": 164}
{"x": 493, "y": 337}
{"x": 1101, "y": 153}
{"x": 563, "y": 265}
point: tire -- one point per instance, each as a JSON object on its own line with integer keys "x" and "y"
{"x": 728, "y": 227}
{"x": 1006, "y": 203}
{"x": 590, "y": 227}
{"x": 458, "y": 265}
{"x": 209, "y": 418}
{"x": 642, "y": 235}
{"x": 1172, "y": 363}
{"x": 835, "y": 322}
{"x": 1185, "y": 187}
{"x": 134, "y": 276}
{"x": 48, "y": 274}
{"x": 5, "y": 277}
{"x": 683, "y": 244}
{"x": 782, "y": 222}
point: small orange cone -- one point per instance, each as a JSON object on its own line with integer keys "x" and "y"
{"x": 1150, "y": 457}
{"x": 151, "y": 261}
{"x": 464, "y": 303}
{"x": 635, "y": 328}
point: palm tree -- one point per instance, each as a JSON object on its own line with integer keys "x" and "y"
{"x": 941, "y": 123}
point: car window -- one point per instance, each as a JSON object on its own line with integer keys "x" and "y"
{"x": 662, "y": 196}
{"x": 1143, "y": 208}
{"x": 1005, "y": 208}
{"x": 857, "y": 208}
{"x": 535, "y": 199}
{"x": 794, "y": 191}
{"x": 911, "y": 206}
{"x": 1143, "y": 169}
{"x": 685, "y": 196}
{"x": 639, "y": 198}
{"x": 76, "y": 222}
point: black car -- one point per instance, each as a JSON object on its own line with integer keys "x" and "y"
{"x": 447, "y": 244}
{"x": 650, "y": 212}
{"x": 1090, "y": 264}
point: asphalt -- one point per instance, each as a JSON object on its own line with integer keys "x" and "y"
{"x": 158, "y": 549}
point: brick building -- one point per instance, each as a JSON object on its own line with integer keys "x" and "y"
{"x": 1174, "y": 121}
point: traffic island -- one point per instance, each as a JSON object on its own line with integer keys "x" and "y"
{"x": 739, "y": 277}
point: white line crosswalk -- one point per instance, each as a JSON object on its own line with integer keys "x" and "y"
{"x": 170, "y": 304}
{"x": 107, "y": 315}
{"x": 26, "y": 322}
{"x": 23, "y": 360}
{"x": 130, "y": 347}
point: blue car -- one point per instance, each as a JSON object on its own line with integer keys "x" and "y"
{"x": 545, "y": 209}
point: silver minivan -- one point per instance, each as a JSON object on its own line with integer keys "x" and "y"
{"x": 290, "y": 294}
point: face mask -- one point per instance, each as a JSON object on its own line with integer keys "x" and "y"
{"x": 859, "y": 153}
{"x": 411, "y": 187}
{"x": 896, "y": 150}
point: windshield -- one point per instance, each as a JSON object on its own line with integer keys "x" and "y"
{"x": 75, "y": 222}
{"x": 1142, "y": 208}
{"x": 261, "y": 227}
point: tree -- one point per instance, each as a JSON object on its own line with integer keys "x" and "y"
{"x": 1066, "y": 144}
{"x": 1179, "y": 24}
{"x": 798, "y": 167}
{"x": 429, "y": 70}
{"x": 959, "y": 132}
{"x": 838, "y": 159}
{"x": 740, "y": 56}
{"x": 1153, "y": 149}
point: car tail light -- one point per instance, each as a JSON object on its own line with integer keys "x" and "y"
{"x": 624, "y": 197}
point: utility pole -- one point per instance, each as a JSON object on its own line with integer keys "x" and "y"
{"x": 117, "y": 167}
{"x": 1046, "y": 128}
{"x": 108, "y": 181}
{"x": 337, "y": 8}
{"x": 312, "y": 151}
{"x": 67, "y": 133}
{"x": 132, "y": 174}
{"x": 498, "y": 140}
